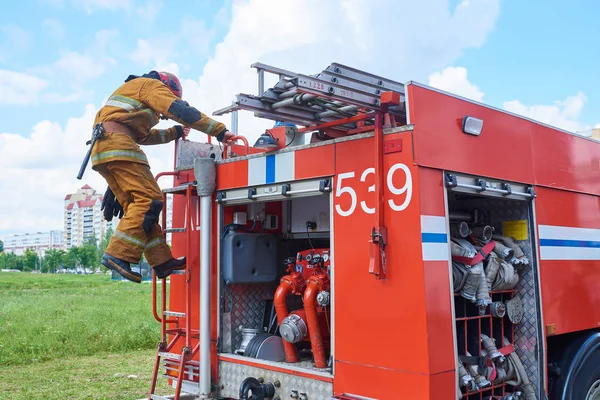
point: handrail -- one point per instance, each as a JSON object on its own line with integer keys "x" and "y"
{"x": 164, "y": 223}
{"x": 235, "y": 138}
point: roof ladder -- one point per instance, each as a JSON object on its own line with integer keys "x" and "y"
{"x": 335, "y": 93}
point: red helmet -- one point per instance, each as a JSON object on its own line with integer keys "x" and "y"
{"x": 172, "y": 83}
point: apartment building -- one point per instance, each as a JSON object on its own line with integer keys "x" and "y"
{"x": 83, "y": 218}
{"x": 39, "y": 242}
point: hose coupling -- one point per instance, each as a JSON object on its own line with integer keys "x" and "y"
{"x": 498, "y": 309}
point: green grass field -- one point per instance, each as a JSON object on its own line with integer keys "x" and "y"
{"x": 75, "y": 337}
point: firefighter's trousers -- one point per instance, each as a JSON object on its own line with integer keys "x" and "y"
{"x": 141, "y": 198}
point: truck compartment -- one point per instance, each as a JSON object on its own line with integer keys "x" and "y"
{"x": 496, "y": 296}
{"x": 275, "y": 285}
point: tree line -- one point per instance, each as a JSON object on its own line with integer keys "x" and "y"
{"x": 86, "y": 256}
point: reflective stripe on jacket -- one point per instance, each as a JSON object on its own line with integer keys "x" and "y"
{"x": 138, "y": 104}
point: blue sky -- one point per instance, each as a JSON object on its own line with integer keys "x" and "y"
{"x": 37, "y": 34}
{"x": 540, "y": 52}
{"x": 59, "y": 59}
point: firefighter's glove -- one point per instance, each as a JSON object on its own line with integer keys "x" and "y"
{"x": 225, "y": 136}
{"x": 182, "y": 131}
{"x": 111, "y": 206}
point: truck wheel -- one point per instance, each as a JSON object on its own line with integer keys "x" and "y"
{"x": 594, "y": 392}
{"x": 579, "y": 376}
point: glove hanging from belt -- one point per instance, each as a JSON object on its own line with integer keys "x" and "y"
{"x": 111, "y": 206}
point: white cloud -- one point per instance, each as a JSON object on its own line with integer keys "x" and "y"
{"x": 454, "y": 80}
{"x": 564, "y": 114}
{"x": 19, "y": 88}
{"x": 169, "y": 67}
{"x": 44, "y": 166}
{"x": 56, "y": 29}
{"x": 150, "y": 10}
{"x": 79, "y": 67}
{"x": 191, "y": 41}
{"x": 74, "y": 69}
{"x": 41, "y": 169}
{"x": 433, "y": 37}
{"x": 153, "y": 52}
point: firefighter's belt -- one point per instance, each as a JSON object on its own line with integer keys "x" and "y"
{"x": 97, "y": 133}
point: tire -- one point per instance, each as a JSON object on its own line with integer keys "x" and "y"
{"x": 579, "y": 377}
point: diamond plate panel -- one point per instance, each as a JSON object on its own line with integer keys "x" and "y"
{"x": 248, "y": 303}
{"x": 526, "y": 333}
{"x": 187, "y": 151}
{"x": 231, "y": 376}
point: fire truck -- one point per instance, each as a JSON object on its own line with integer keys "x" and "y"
{"x": 383, "y": 240}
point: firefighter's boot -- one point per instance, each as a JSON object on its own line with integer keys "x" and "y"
{"x": 165, "y": 269}
{"x": 122, "y": 267}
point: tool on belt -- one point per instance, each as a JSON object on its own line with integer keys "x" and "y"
{"x": 97, "y": 133}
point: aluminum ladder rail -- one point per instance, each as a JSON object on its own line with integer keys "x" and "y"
{"x": 180, "y": 363}
{"x": 336, "y": 93}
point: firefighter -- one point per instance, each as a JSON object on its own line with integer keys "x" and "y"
{"x": 125, "y": 122}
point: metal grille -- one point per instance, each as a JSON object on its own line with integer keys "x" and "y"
{"x": 248, "y": 309}
{"x": 188, "y": 151}
{"x": 526, "y": 332}
{"x": 231, "y": 376}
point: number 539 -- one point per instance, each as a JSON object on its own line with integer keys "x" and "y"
{"x": 343, "y": 188}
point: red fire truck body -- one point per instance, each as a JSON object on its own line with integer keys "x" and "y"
{"x": 353, "y": 234}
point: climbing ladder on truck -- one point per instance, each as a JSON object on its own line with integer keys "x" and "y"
{"x": 339, "y": 101}
{"x": 177, "y": 365}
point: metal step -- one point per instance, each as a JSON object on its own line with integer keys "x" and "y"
{"x": 170, "y": 356}
{"x": 183, "y": 396}
{"x": 178, "y": 272}
{"x": 178, "y": 189}
{"x": 157, "y": 397}
{"x": 170, "y": 230}
{"x": 174, "y": 314}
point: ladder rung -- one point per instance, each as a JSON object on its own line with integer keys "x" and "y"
{"x": 178, "y": 272}
{"x": 177, "y": 189}
{"x": 174, "y": 314}
{"x": 195, "y": 333}
{"x": 168, "y": 230}
{"x": 170, "y": 356}
{"x": 183, "y": 396}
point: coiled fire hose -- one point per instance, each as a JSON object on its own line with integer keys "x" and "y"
{"x": 526, "y": 386}
{"x": 505, "y": 253}
{"x": 489, "y": 345}
{"x": 495, "y": 366}
{"x": 475, "y": 286}
{"x": 500, "y": 274}
{"x": 480, "y": 380}
{"x": 459, "y": 275}
{"x": 465, "y": 379}
{"x": 520, "y": 260}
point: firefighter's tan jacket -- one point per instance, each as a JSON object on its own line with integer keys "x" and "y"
{"x": 138, "y": 104}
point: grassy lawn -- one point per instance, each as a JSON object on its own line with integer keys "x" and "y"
{"x": 67, "y": 336}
